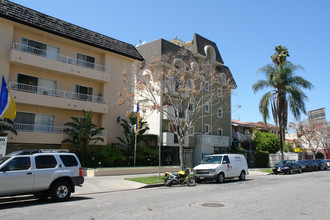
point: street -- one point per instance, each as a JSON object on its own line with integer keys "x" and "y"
{"x": 296, "y": 196}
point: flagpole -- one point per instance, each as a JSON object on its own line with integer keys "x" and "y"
{"x": 135, "y": 148}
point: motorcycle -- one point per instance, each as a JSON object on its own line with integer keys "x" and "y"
{"x": 182, "y": 177}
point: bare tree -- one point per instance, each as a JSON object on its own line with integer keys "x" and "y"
{"x": 322, "y": 137}
{"x": 306, "y": 132}
{"x": 180, "y": 87}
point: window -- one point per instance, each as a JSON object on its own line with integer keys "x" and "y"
{"x": 19, "y": 163}
{"x": 206, "y": 86}
{"x": 191, "y": 130}
{"x": 207, "y": 129}
{"x": 85, "y": 61}
{"x": 226, "y": 160}
{"x": 84, "y": 93}
{"x": 210, "y": 53}
{"x": 219, "y": 92}
{"x": 207, "y": 108}
{"x": 219, "y": 112}
{"x": 219, "y": 132}
{"x": 25, "y": 121}
{"x": 45, "y": 161}
{"x": 36, "y": 85}
{"x": 40, "y": 49}
{"x": 69, "y": 160}
{"x": 191, "y": 107}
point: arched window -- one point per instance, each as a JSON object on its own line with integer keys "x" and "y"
{"x": 210, "y": 53}
{"x": 179, "y": 63}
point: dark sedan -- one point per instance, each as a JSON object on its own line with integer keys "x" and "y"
{"x": 287, "y": 166}
{"x": 307, "y": 165}
{"x": 321, "y": 164}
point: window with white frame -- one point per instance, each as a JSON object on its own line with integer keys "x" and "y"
{"x": 26, "y": 121}
{"x": 206, "y": 86}
{"x": 191, "y": 130}
{"x": 84, "y": 93}
{"x": 207, "y": 129}
{"x": 207, "y": 107}
{"x": 219, "y": 92}
{"x": 39, "y": 48}
{"x": 36, "y": 85}
{"x": 191, "y": 107}
{"x": 219, "y": 131}
{"x": 219, "y": 112}
{"x": 85, "y": 61}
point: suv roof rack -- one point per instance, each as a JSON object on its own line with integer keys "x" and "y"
{"x": 34, "y": 151}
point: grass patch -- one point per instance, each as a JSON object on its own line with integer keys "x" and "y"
{"x": 267, "y": 170}
{"x": 148, "y": 180}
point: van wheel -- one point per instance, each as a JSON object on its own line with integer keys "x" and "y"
{"x": 221, "y": 178}
{"x": 242, "y": 176}
{"x": 60, "y": 191}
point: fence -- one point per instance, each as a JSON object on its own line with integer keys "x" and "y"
{"x": 275, "y": 158}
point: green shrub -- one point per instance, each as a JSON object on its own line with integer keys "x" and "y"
{"x": 107, "y": 156}
{"x": 288, "y": 147}
{"x": 261, "y": 159}
{"x": 265, "y": 141}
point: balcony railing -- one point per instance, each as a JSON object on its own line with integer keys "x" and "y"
{"x": 57, "y": 93}
{"x": 45, "y": 128}
{"x": 59, "y": 57}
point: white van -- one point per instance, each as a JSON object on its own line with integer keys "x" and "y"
{"x": 220, "y": 167}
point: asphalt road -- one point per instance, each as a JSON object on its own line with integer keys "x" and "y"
{"x": 297, "y": 196}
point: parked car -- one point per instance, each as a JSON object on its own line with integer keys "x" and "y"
{"x": 221, "y": 166}
{"x": 313, "y": 165}
{"x": 328, "y": 162}
{"x": 304, "y": 165}
{"x": 307, "y": 166}
{"x": 44, "y": 173}
{"x": 287, "y": 166}
{"x": 321, "y": 164}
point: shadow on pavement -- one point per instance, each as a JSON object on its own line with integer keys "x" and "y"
{"x": 25, "y": 201}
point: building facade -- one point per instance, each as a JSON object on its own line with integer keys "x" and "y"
{"x": 212, "y": 132}
{"x": 54, "y": 70}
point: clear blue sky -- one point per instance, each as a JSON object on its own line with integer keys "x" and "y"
{"x": 245, "y": 32}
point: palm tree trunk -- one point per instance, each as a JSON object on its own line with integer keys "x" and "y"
{"x": 281, "y": 134}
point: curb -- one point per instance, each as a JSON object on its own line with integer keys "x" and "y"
{"x": 152, "y": 185}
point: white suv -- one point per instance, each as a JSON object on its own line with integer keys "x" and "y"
{"x": 43, "y": 173}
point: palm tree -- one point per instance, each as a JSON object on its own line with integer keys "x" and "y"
{"x": 84, "y": 135}
{"x": 285, "y": 92}
{"x": 6, "y": 125}
{"x": 279, "y": 57}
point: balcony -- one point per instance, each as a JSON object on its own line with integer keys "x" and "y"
{"x": 35, "y": 95}
{"x": 43, "y": 134}
{"x": 170, "y": 112}
{"x": 44, "y": 59}
{"x": 170, "y": 139}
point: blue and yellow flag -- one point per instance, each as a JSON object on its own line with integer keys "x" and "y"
{"x": 7, "y": 103}
{"x": 137, "y": 118}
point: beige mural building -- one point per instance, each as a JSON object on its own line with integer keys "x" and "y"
{"x": 54, "y": 70}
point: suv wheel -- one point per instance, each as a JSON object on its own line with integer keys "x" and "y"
{"x": 60, "y": 191}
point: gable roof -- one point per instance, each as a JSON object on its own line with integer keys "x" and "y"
{"x": 155, "y": 49}
{"x": 38, "y": 20}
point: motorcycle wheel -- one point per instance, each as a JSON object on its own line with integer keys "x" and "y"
{"x": 191, "y": 181}
{"x": 168, "y": 181}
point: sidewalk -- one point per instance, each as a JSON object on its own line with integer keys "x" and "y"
{"x": 102, "y": 184}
